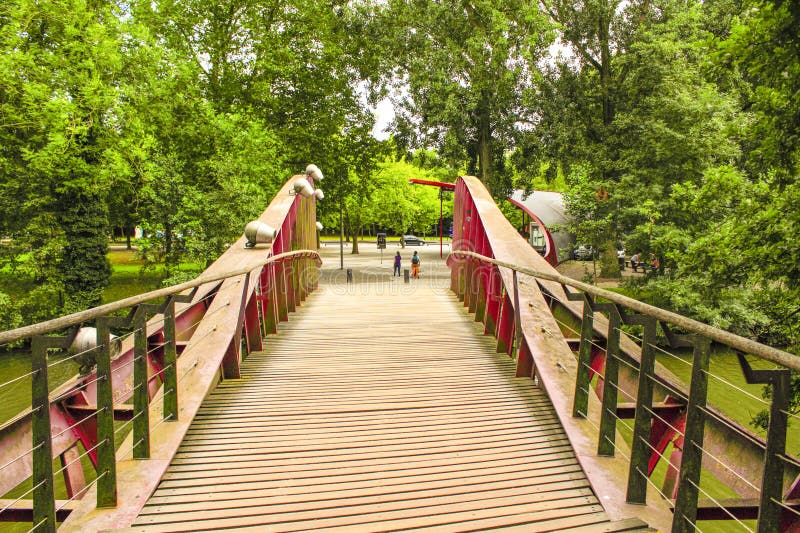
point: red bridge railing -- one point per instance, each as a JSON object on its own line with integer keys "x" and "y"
{"x": 514, "y": 292}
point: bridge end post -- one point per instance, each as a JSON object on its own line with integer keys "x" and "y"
{"x": 691, "y": 460}
{"x": 106, "y": 460}
{"x": 608, "y": 413}
{"x": 44, "y": 512}
{"x": 640, "y": 447}
{"x": 580, "y": 403}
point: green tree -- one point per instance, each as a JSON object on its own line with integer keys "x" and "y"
{"x": 464, "y": 67}
{"x": 61, "y": 71}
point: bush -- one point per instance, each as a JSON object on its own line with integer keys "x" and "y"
{"x": 10, "y": 317}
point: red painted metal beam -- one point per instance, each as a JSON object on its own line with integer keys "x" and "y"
{"x": 551, "y": 256}
{"x": 441, "y": 184}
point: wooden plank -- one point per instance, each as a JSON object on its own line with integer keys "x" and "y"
{"x": 418, "y": 473}
{"x": 343, "y": 508}
{"x": 347, "y": 497}
{"x": 323, "y": 484}
{"x": 517, "y": 453}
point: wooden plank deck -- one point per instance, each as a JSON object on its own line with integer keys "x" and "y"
{"x": 379, "y": 407}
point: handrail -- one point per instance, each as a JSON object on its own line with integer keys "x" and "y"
{"x": 737, "y": 342}
{"x": 102, "y": 310}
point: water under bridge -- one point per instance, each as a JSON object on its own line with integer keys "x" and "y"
{"x": 278, "y": 392}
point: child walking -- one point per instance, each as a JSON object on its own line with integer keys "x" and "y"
{"x": 397, "y": 260}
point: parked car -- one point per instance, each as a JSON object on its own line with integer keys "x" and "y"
{"x": 413, "y": 240}
{"x": 584, "y": 252}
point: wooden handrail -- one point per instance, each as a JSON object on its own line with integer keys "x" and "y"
{"x": 106, "y": 309}
{"x": 736, "y": 342}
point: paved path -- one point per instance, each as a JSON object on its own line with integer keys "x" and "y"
{"x": 379, "y": 407}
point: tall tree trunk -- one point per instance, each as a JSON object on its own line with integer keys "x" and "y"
{"x": 484, "y": 147}
{"x": 355, "y": 243}
{"x": 605, "y": 71}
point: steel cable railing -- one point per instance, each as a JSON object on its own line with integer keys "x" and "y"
{"x": 683, "y": 403}
{"x": 106, "y": 404}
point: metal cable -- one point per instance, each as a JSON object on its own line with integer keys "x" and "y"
{"x": 671, "y": 388}
{"x": 662, "y": 350}
{"x": 737, "y": 388}
{"x": 595, "y": 426}
{"x": 72, "y": 391}
{"x": 726, "y": 467}
{"x": 71, "y": 357}
{"x": 728, "y": 424}
{"x": 620, "y": 420}
{"x": 652, "y": 412}
{"x": 42, "y": 521}
{"x": 18, "y": 378}
{"x": 127, "y": 422}
{"x": 81, "y": 456}
{"x": 84, "y": 489}
{"x": 142, "y": 440}
{"x": 792, "y": 461}
{"x": 650, "y": 482}
{"x": 658, "y": 453}
{"x": 78, "y": 423}
{"x": 10, "y": 505}
{"x": 790, "y": 414}
{"x": 123, "y": 365}
{"x": 718, "y": 504}
{"x": 567, "y": 326}
{"x": 626, "y": 363}
{"x": 623, "y": 391}
{"x": 787, "y": 507}
{"x": 17, "y": 458}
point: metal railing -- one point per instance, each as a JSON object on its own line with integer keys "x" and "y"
{"x": 45, "y": 509}
{"x": 772, "y": 510}
{"x": 489, "y": 258}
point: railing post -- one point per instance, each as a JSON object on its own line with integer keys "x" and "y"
{"x": 580, "y": 404}
{"x": 141, "y": 396}
{"x": 170, "y": 370}
{"x": 691, "y": 461}
{"x": 608, "y": 414}
{"x": 769, "y": 508}
{"x": 480, "y": 305}
{"x": 44, "y": 511}
{"x": 517, "y": 319}
{"x": 106, "y": 460}
{"x": 640, "y": 450}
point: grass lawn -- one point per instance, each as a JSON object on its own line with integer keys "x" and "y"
{"x": 127, "y": 278}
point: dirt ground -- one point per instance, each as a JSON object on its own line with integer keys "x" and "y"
{"x": 578, "y": 269}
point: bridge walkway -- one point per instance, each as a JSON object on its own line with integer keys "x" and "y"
{"x": 380, "y": 406}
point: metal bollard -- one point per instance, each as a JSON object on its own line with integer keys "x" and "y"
{"x": 349, "y": 275}
{"x": 405, "y": 275}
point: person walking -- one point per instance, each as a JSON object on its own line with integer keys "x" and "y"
{"x": 397, "y": 262}
{"x": 415, "y": 265}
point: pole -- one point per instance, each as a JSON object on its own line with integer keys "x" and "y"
{"x": 441, "y": 238}
{"x": 341, "y": 237}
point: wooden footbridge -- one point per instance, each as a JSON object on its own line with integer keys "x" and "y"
{"x": 491, "y": 394}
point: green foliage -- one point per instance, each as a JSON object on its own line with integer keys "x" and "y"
{"x": 404, "y": 208}
{"x": 10, "y": 317}
{"x": 464, "y": 68}
{"x": 84, "y": 268}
